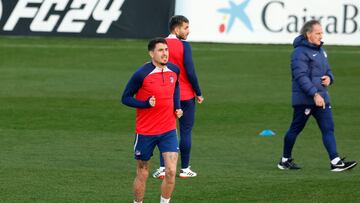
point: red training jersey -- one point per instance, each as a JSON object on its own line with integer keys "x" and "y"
{"x": 163, "y": 85}
{"x": 176, "y": 56}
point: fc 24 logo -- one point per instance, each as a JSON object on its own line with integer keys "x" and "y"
{"x": 74, "y": 20}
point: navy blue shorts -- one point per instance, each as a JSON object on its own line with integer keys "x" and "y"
{"x": 144, "y": 144}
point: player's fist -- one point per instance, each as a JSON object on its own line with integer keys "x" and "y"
{"x": 152, "y": 101}
{"x": 199, "y": 99}
{"x": 178, "y": 113}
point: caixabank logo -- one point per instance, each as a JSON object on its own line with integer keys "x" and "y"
{"x": 286, "y": 16}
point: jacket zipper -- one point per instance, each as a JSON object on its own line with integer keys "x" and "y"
{"x": 162, "y": 74}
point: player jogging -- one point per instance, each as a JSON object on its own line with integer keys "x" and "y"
{"x": 157, "y": 102}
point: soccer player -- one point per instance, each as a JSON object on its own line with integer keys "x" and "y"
{"x": 157, "y": 104}
{"x": 311, "y": 75}
{"x": 180, "y": 54}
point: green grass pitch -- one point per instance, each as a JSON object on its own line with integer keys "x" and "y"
{"x": 65, "y": 137}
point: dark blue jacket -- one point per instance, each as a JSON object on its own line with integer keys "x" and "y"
{"x": 308, "y": 64}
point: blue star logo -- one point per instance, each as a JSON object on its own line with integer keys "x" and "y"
{"x": 237, "y": 11}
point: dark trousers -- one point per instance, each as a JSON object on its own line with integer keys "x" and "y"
{"x": 325, "y": 122}
{"x": 186, "y": 123}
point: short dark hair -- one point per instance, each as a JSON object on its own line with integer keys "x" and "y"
{"x": 177, "y": 21}
{"x": 308, "y": 27}
{"x": 152, "y": 43}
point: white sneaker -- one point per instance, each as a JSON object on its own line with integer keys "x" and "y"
{"x": 187, "y": 173}
{"x": 159, "y": 173}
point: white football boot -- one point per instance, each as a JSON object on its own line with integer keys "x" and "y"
{"x": 159, "y": 173}
{"x": 187, "y": 173}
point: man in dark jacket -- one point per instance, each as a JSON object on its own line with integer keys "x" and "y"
{"x": 311, "y": 75}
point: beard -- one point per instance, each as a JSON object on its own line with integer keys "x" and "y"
{"x": 181, "y": 37}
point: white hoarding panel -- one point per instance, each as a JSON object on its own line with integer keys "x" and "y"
{"x": 267, "y": 21}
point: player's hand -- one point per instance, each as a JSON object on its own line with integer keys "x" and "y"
{"x": 199, "y": 99}
{"x": 319, "y": 100}
{"x": 325, "y": 80}
{"x": 152, "y": 101}
{"x": 178, "y": 113}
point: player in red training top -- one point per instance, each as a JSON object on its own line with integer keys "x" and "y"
{"x": 157, "y": 102}
{"x": 180, "y": 54}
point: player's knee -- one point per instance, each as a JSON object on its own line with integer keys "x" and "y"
{"x": 143, "y": 174}
{"x": 327, "y": 129}
{"x": 170, "y": 172}
{"x": 186, "y": 129}
{"x": 185, "y": 143}
{"x": 289, "y": 138}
